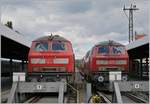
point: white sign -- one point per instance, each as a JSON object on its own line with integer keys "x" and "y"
{"x": 114, "y": 75}
{"x": 137, "y": 86}
{"x": 39, "y": 87}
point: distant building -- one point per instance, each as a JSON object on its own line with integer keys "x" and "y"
{"x": 139, "y": 36}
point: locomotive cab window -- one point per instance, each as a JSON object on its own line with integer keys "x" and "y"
{"x": 58, "y": 46}
{"x": 103, "y": 50}
{"x": 118, "y": 50}
{"x": 41, "y": 46}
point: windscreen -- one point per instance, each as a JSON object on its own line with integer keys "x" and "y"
{"x": 103, "y": 50}
{"x": 58, "y": 46}
{"x": 41, "y": 46}
{"x": 118, "y": 50}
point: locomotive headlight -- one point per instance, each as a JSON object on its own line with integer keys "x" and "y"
{"x": 121, "y": 62}
{"x": 125, "y": 77}
{"x": 100, "y": 78}
{"x": 37, "y": 61}
{"x": 101, "y": 62}
{"x": 61, "y": 61}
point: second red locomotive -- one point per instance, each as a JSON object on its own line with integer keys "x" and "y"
{"x": 104, "y": 60}
{"x": 51, "y": 58}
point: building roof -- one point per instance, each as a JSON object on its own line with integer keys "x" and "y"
{"x": 13, "y": 44}
{"x": 138, "y": 43}
{"x": 11, "y": 34}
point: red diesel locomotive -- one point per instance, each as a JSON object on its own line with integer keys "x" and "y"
{"x": 51, "y": 58}
{"x": 106, "y": 61}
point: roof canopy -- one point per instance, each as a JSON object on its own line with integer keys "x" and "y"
{"x": 139, "y": 48}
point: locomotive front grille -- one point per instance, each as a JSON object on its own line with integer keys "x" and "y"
{"x": 49, "y": 69}
{"x": 110, "y": 69}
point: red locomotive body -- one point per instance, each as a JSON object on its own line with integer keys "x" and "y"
{"x": 50, "y": 58}
{"x": 104, "y": 58}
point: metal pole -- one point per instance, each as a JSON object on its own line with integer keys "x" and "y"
{"x": 88, "y": 91}
{"x": 141, "y": 69}
{"x": 13, "y": 92}
{"x": 117, "y": 93}
{"x": 11, "y": 69}
{"x": 129, "y": 26}
{"x": 77, "y": 96}
{"x": 22, "y": 64}
{"x": 147, "y": 66}
{"x": 130, "y": 65}
{"x": 61, "y": 93}
{"x": 130, "y": 18}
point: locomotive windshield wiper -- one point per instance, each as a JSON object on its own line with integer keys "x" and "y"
{"x": 43, "y": 47}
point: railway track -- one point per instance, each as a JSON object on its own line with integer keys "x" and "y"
{"x": 106, "y": 99}
{"x": 51, "y": 98}
{"x": 71, "y": 98}
{"x": 135, "y": 98}
{"x": 126, "y": 98}
{"x": 4, "y": 95}
{"x": 99, "y": 97}
{"x": 33, "y": 99}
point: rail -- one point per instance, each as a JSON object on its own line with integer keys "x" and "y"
{"x": 33, "y": 99}
{"x": 104, "y": 97}
{"x": 129, "y": 86}
{"x": 135, "y": 98}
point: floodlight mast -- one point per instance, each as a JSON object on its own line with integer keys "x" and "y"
{"x": 130, "y": 18}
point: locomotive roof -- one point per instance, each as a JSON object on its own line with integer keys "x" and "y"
{"x": 52, "y": 37}
{"x": 109, "y": 42}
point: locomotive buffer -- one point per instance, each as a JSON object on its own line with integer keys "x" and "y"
{"x": 20, "y": 87}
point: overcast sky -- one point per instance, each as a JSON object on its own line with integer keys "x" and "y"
{"x": 83, "y": 22}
